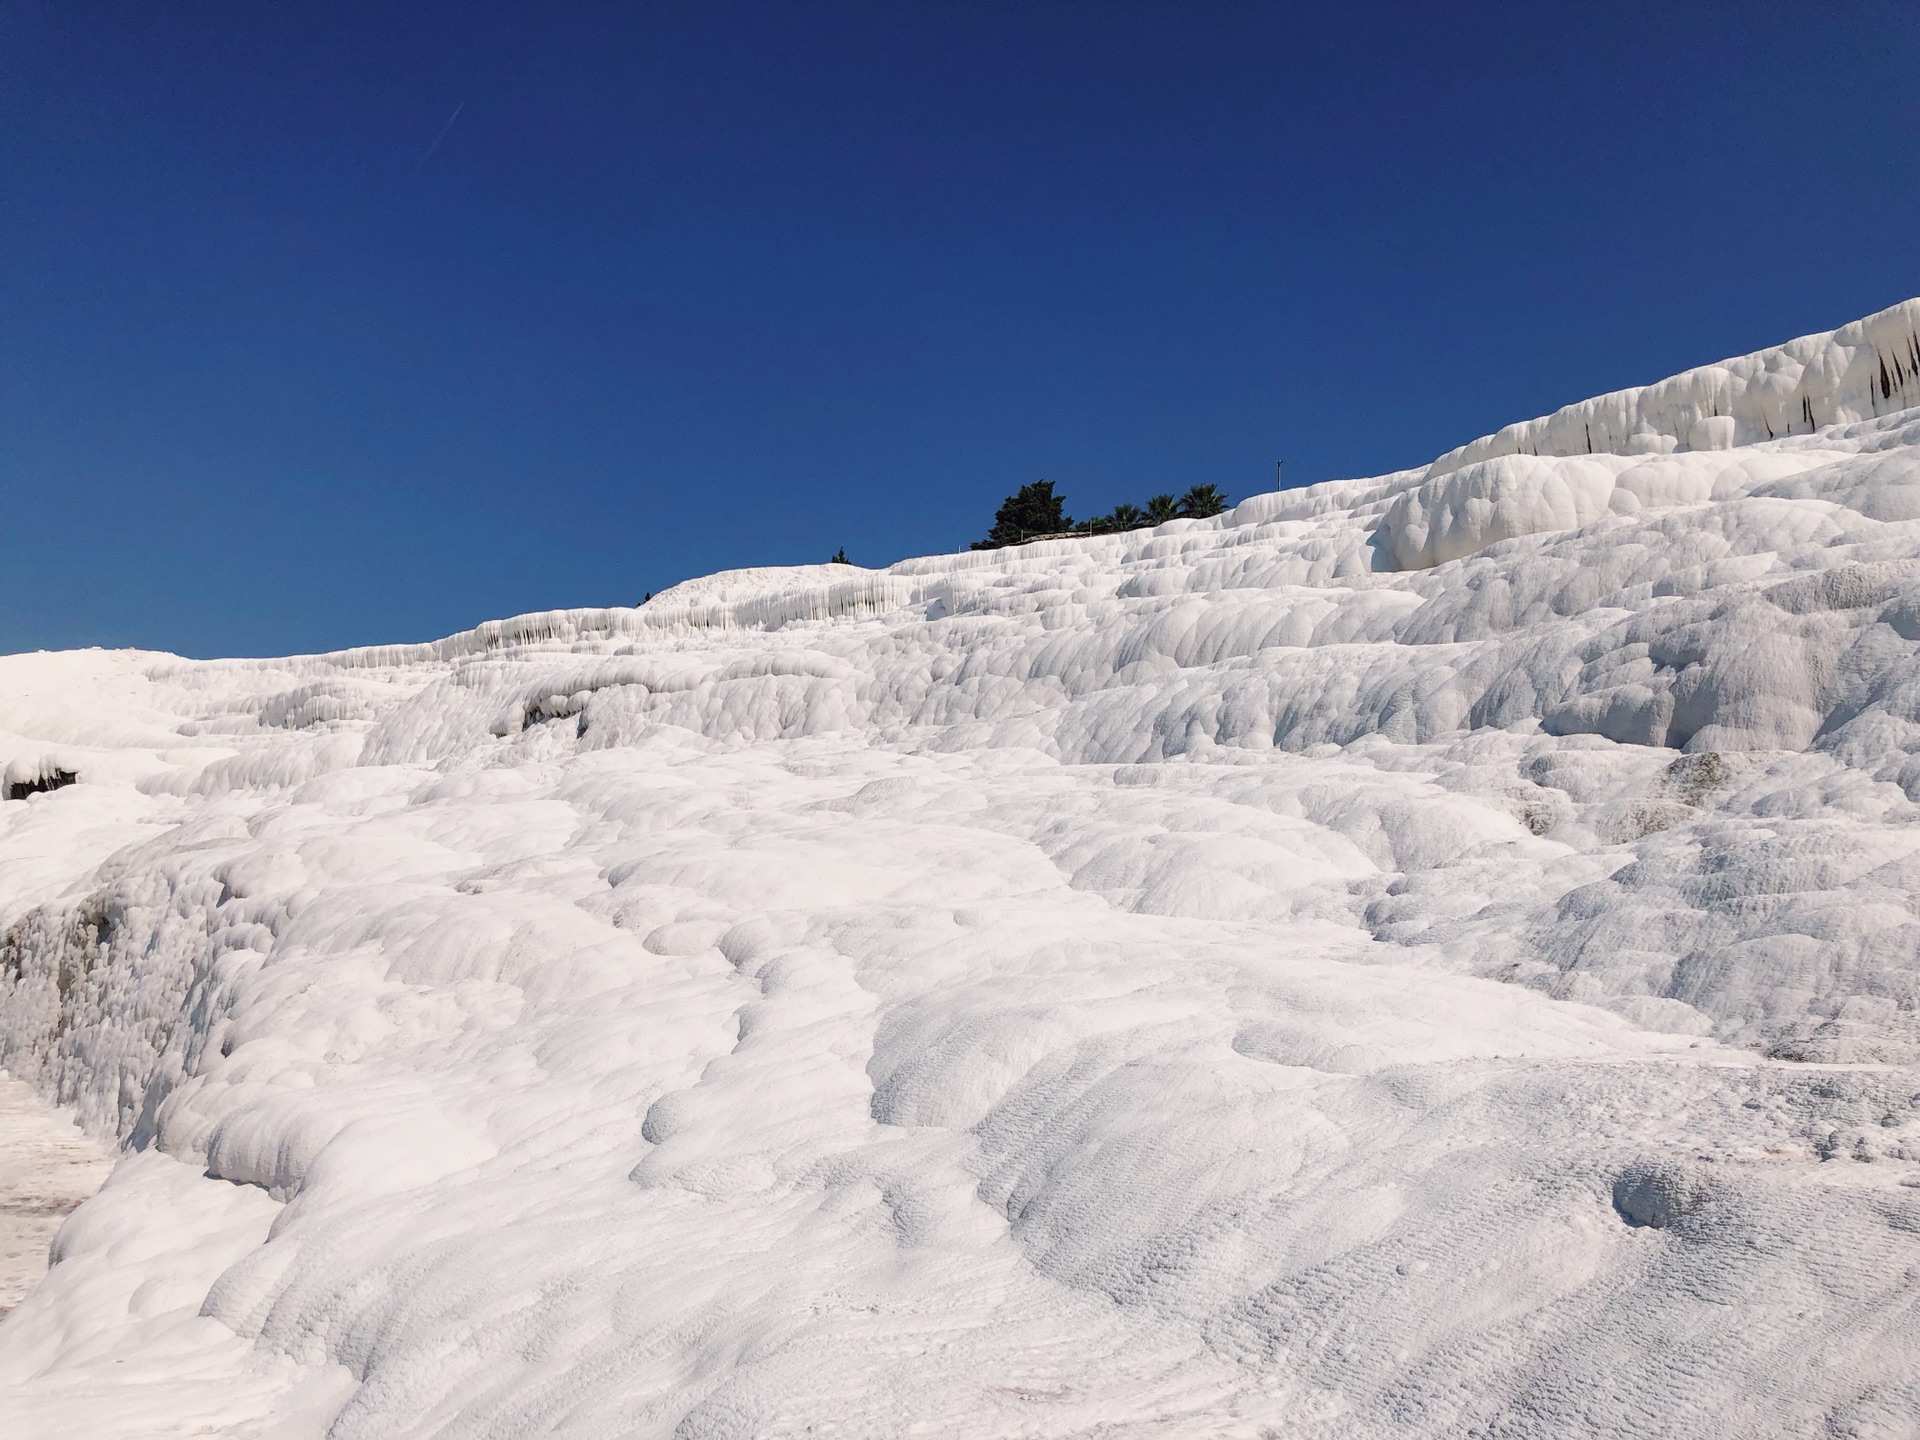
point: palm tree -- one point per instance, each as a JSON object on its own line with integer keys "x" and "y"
{"x": 1202, "y": 501}
{"x": 1161, "y": 508}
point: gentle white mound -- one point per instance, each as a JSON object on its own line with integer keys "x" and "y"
{"x": 1429, "y": 955}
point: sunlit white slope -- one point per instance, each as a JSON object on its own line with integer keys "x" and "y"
{"x": 1429, "y": 955}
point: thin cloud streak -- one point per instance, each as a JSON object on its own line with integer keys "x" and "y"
{"x": 442, "y": 135}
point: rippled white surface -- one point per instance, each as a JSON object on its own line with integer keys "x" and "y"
{"x": 1418, "y": 956}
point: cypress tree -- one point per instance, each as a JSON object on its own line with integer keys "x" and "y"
{"x": 1030, "y": 511}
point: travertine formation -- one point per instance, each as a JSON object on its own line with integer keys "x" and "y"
{"x": 1428, "y": 955}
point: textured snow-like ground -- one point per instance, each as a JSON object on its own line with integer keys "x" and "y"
{"x": 47, "y": 1167}
{"x": 1420, "y": 956}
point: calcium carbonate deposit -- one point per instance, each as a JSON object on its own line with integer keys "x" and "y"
{"x": 1436, "y": 955}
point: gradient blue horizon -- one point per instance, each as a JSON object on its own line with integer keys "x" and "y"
{"x": 291, "y": 362}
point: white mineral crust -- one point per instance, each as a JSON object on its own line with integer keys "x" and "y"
{"x": 1435, "y": 955}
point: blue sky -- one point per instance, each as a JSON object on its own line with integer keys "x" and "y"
{"x": 686, "y": 287}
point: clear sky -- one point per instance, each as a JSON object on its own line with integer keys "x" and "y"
{"x": 332, "y": 324}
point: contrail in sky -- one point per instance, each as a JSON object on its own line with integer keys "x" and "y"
{"x": 443, "y": 133}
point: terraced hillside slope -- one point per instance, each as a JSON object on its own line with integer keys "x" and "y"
{"x": 1418, "y": 956}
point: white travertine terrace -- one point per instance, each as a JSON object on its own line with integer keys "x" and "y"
{"x": 1418, "y": 956}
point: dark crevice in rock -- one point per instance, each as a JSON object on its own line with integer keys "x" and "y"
{"x": 40, "y": 784}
